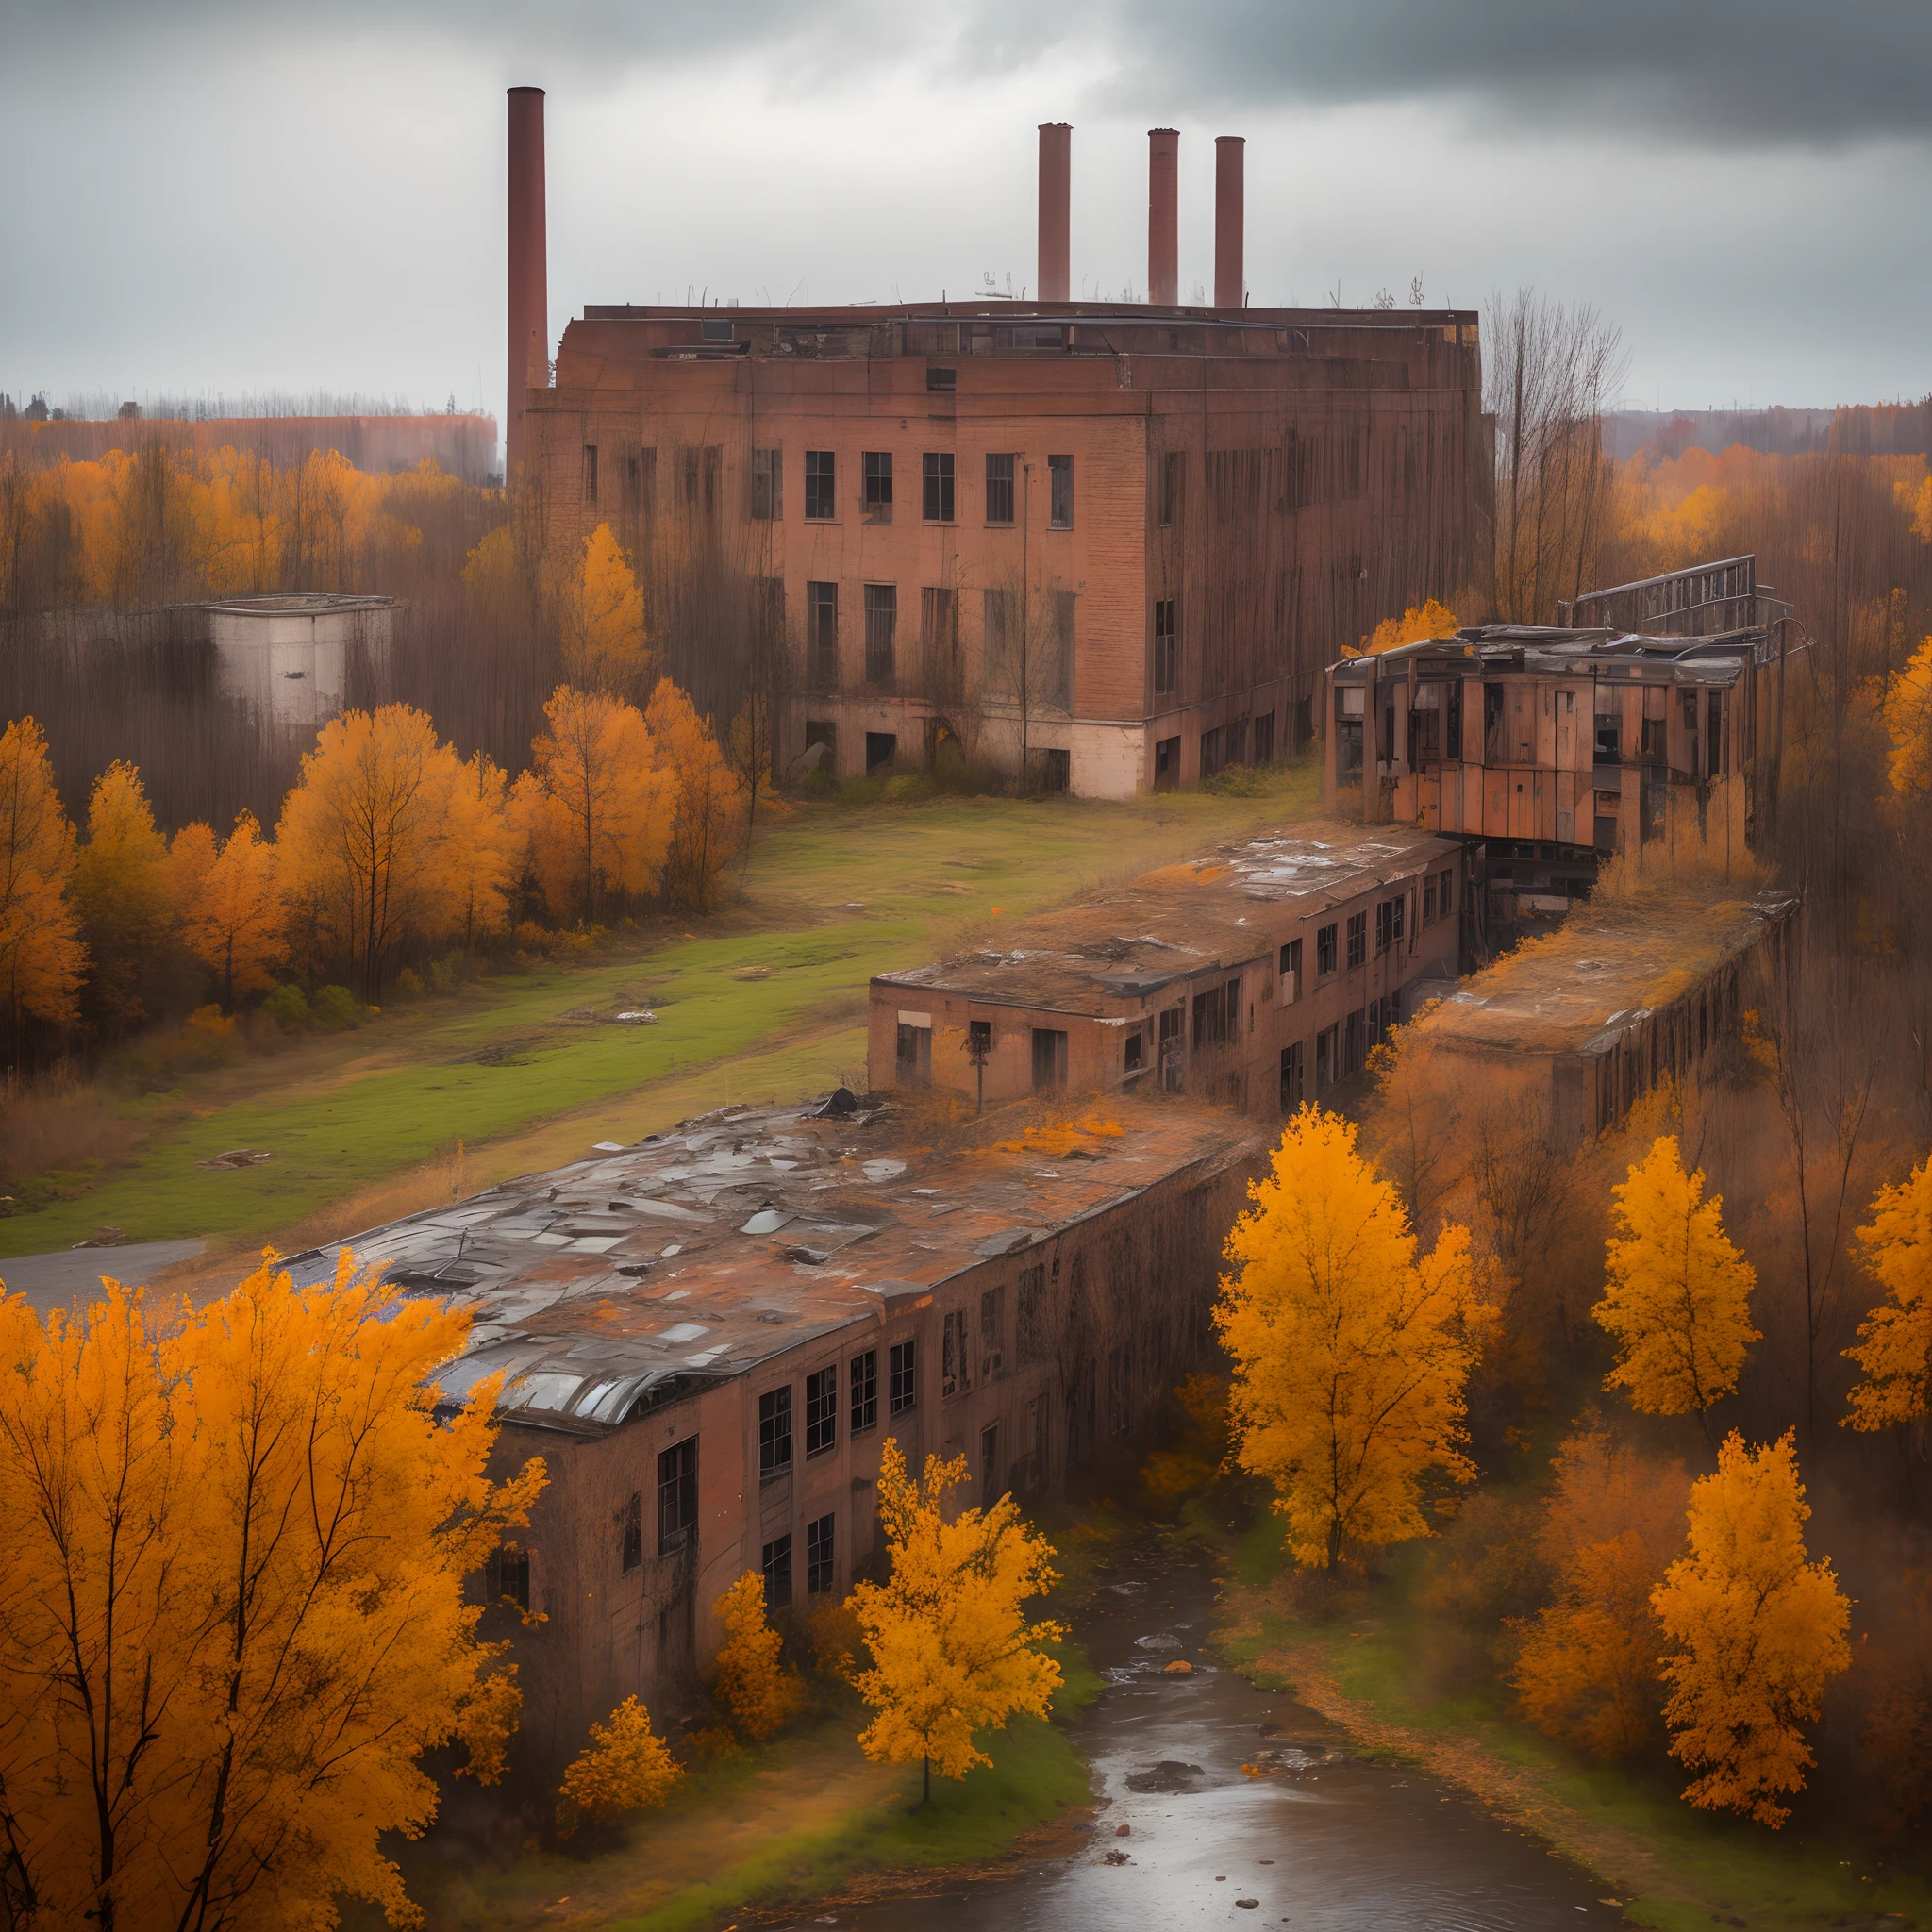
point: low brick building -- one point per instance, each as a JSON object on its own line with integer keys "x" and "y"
{"x": 1254, "y": 976}
{"x": 709, "y": 1335}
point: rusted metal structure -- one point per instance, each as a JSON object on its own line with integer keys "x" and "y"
{"x": 1707, "y": 600}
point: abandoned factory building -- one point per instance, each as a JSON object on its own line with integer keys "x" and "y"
{"x": 1254, "y": 976}
{"x": 709, "y": 1335}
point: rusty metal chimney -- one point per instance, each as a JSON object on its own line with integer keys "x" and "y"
{"x": 530, "y": 269}
{"x": 1055, "y": 182}
{"x": 1164, "y": 216}
{"x": 1230, "y": 290}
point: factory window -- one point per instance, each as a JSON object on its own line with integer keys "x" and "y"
{"x": 1060, "y": 470}
{"x": 1171, "y": 472}
{"x": 821, "y": 486}
{"x": 507, "y": 1575}
{"x": 1134, "y": 1057}
{"x": 821, "y": 1411}
{"x": 999, "y": 490}
{"x": 989, "y": 1490}
{"x": 878, "y": 486}
{"x": 714, "y": 331}
{"x": 590, "y": 472}
{"x": 1291, "y": 1078}
{"x": 1357, "y": 937}
{"x": 774, "y": 1433}
{"x": 993, "y": 1331}
{"x": 1213, "y": 752}
{"x": 942, "y": 379}
{"x": 1030, "y": 1342}
{"x": 1386, "y": 927}
{"x": 823, "y": 731}
{"x": 1355, "y": 1034}
{"x": 913, "y": 1054}
{"x": 865, "y": 1390}
{"x": 1325, "y": 951}
{"x": 776, "y": 1561}
{"x": 1172, "y": 1044}
{"x": 677, "y": 1495}
{"x": 882, "y": 621}
{"x": 881, "y": 749}
{"x": 902, "y": 1378}
{"x": 956, "y": 1358}
{"x": 634, "y": 1532}
{"x": 767, "y": 485}
{"x": 820, "y": 1576}
{"x": 939, "y": 637}
{"x": 822, "y": 631}
{"x": 1163, "y": 646}
{"x": 937, "y": 467}
{"x": 1290, "y": 971}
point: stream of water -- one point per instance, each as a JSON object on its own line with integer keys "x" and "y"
{"x": 1328, "y": 1841}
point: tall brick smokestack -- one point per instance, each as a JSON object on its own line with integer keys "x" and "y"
{"x": 1055, "y": 182}
{"x": 1164, "y": 216}
{"x": 1230, "y": 291}
{"x": 530, "y": 269}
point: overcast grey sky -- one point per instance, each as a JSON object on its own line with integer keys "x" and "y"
{"x": 208, "y": 195}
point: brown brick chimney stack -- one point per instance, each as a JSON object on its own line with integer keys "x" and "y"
{"x": 530, "y": 269}
{"x": 1164, "y": 216}
{"x": 1230, "y": 290}
{"x": 1055, "y": 182}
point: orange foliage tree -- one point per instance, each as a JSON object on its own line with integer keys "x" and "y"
{"x": 593, "y": 804}
{"x": 604, "y": 647}
{"x": 233, "y": 1619}
{"x": 124, "y": 894}
{"x": 1894, "y": 1345}
{"x": 235, "y": 923}
{"x": 623, "y": 1768}
{"x": 707, "y": 798}
{"x": 749, "y": 1676}
{"x": 41, "y": 957}
{"x": 1416, "y": 625}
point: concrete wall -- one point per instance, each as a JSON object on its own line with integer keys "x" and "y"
{"x": 292, "y": 669}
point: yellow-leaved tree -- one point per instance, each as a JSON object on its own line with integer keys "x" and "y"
{"x": 623, "y": 1768}
{"x": 233, "y": 1617}
{"x": 191, "y": 853}
{"x": 1909, "y": 724}
{"x": 1676, "y": 1294}
{"x": 594, "y": 805}
{"x": 124, "y": 894}
{"x": 41, "y": 958}
{"x": 952, "y": 1651}
{"x": 604, "y": 647}
{"x": 1894, "y": 1346}
{"x": 1416, "y": 625}
{"x": 1588, "y": 1669}
{"x": 1763, "y": 1632}
{"x": 1350, "y": 1353}
{"x": 749, "y": 1676}
{"x": 707, "y": 798}
{"x": 236, "y": 923}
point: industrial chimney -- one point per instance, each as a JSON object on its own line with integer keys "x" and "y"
{"x": 1164, "y": 216}
{"x": 1055, "y": 179}
{"x": 1230, "y": 291}
{"x": 530, "y": 270}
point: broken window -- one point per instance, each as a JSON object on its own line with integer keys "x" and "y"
{"x": 1610, "y": 724}
{"x": 1325, "y": 951}
{"x": 956, "y": 1359}
{"x": 1133, "y": 1058}
{"x": 677, "y": 1495}
{"x": 1210, "y": 1019}
{"x": 1164, "y": 656}
{"x": 1357, "y": 937}
{"x": 1172, "y": 463}
{"x": 1060, "y": 471}
{"x": 1291, "y": 1078}
{"x": 1000, "y": 648}
{"x": 881, "y": 622}
{"x": 865, "y": 1390}
{"x": 821, "y": 486}
{"x": 776, "y": 1562}
{"x": 1173, "y": 1042}
{"x": 1326, "y": 1043}
{"x": 821, "y": 632}
{"x": 1030, "y": 1338}
{"x": 1429, "y": 900}
{"x": 993, "y": 1331}
{"x": 634, "y": 1531}
{"x": 1425, "y": 725}
{"x": 774, "y": 1433}
{"x": 821, "y": 1411}
{"x": 939, "y": 639}
{"x": 821, "y": 1577}
{"x": 1354, "y": 1036}
{"x": 914, "y": 1054}
{"x": 590, "y": 472}
{"x": 999, "y": 488}
{"x": 881, "y": 749}
{"x": 1290, "y": 971}
{"x": 941, "y": 380}
{"x": 878, "y": 486}
{"x": 937, "y": 466}
{"x": 767, "y": 485}
{"x": 902, "y": 1382}
{"x": 507, "y": 1575}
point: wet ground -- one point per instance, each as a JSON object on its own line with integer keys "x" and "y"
{"x": 1326, "y": 1842}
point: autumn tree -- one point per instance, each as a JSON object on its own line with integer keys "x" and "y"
{"x": 707, "y": 798}
{"x": 1908, "y": 725}
{"x": 750, "y": 1677}
{"x": 594, "y": 806}
{"x": 1762, "y": 1630}
{"x": 952, "y": 1651}
{"x": 1587, "y": 1670}
{"x": 1676, "y": 1294}
{"x": 122, "y": 893}
{"x": 235, "y": 921}
{"x": 604, "y": 645}
{"x": 1894, "y": 1345}
{"x": 42, "y": 956}
{"x": 623, "y": 1768}
{"x": 191, "y": 854}
{"x": 1350, "y": 1353}
{"x": 233, "y": 1619}
{"x": 482, "y": 850}
{"x": 1417, "y": 624}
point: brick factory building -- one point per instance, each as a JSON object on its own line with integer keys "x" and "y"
{"x": 1113, "y": 544}
{"x": 709, "y": 1335}
{"x": 1254, "y": 976}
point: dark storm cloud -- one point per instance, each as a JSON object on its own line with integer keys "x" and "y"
{"x": 1712, "y": 73}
